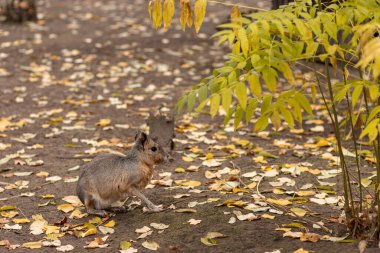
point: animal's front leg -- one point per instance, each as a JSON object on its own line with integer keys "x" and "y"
{"x": 152, "y": 207}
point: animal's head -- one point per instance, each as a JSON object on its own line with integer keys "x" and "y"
{"x": 147, "y": 146}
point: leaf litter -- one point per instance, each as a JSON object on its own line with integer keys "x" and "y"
{"x": 276, "y": 184}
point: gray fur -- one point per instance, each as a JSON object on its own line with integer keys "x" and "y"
{"x": 109, "y": 178}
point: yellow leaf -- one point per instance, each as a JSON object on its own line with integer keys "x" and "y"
{"x": 91, "y": 231}
{"x": 294, "y": 225}
{"x": 366, "y": 182}
{"x": 125, "y": 245}
{"x": 306, "y": 193}
{"x": 278, "y": 191}
{"x": 32, "y": 245}
{"x": 65, "y": 208}
{"x": 48, "y": 196}
{"x": 199, "y": 13}
{"x": 298, "y": 211}
{"x": 242, "y": 35}
{"x": 4, "y": 124}
{"x": 260, "y": 159}
{"x": 187, "y": 159}
{"x": 51, "y": 230}
{"x": 314, "y": 171}
{"x": 7, "y": 208}
{"x": 95, "y": 220}
{"x": 251, "y": 185}
{"x": 180, "y": 170}
{"x": 208, "y": 241}
{"x": 103, "y": 122}
{"x": 20, "y": 221}
{"x": 9, "y": 214}
{"x": 168, "y": 13}
{"x": 301, "y": 250}
{"x": 157, "y": 14}
{"x": 110, "y": 224}
{"x": 209, "y": 156}
{"x": 280, "y": 202}
{"x": 268, "y": 216}
{"x": 322, "y": 143}
{"x": 191, "y": 183}
{"x": 185, "y": 13}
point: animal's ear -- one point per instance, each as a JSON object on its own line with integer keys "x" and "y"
{"x": 141, "y": 139}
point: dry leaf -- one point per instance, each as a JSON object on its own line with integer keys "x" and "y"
{"x": 32, "y": 245}
{"x": 298, "y": 211}
{"x": 301, "y": 250}
{"x": 280, "y": 202}
{"x": 65, "y": 248}
{"x": 65, "y": 208}
{"x": 104, "y": 122}
{"x": 150, "y": 245}
{"x": 90, "y": 231}
{"x": 159, "y": 225}
{"x": 194, "y": 222}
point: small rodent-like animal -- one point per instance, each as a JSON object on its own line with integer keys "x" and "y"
{"x": 109, "y": 178}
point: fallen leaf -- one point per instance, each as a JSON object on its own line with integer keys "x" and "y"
{"x": 185, "y": 210}
{"x": 160, "y": 226}
{"x": 105, "y": 230}
{"x": 53, "y": 179}
{"x": 187, "y": 159}
{"x": 125, "y": 245}
{"x": 280, "y": 202}
{"x": 32, "y": 245}
{"x": 298, "y": 211}
{"x": 21, "y": 221}
{"x": 143, "y": 230}
{"x": 98, "y": 242}
{"x": 268, "y": 216}
{"x": 65, "y": 208}
{"x": 194, "y": 222}
{"x": 248, "y": 216}
{"x": 103, "y": 122}
{"x": 208, "y": 241}
{"x": 310, "y": 237}
{"x": 301, "y": 250}
{"x": 110, "y": 224}
{"x": 90, "y": 231}
{"x": 150, "y": 245}
{"x": 211, "y": 163}
{"x": 191, "y": 183}
{"x": 65, "y": 248}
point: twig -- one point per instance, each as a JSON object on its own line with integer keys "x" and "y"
{"x": 257, "y": 188}
{"x": 238, "y": 5}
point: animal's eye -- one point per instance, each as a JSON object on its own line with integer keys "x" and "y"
{"x": 154, "y": 149}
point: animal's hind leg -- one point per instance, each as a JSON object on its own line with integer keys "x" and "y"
{"x": 89, "y": 202}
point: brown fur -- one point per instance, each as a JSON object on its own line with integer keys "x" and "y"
{"x": 110, "y": 178}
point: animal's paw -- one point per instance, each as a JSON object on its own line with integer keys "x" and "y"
{"x": 153, "y": 209}
{"x": 101, "y": 213}
{"x": 119, "y": 209}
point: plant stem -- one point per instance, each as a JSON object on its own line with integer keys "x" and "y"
{"x": 356, "y": 149}
{"x": 377, "y": 153}
{"x": 346, "y": 179}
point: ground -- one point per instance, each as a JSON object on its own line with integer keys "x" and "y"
{"x": 84, "y": 79}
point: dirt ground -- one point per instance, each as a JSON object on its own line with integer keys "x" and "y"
{"x": 87, "y": 61}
